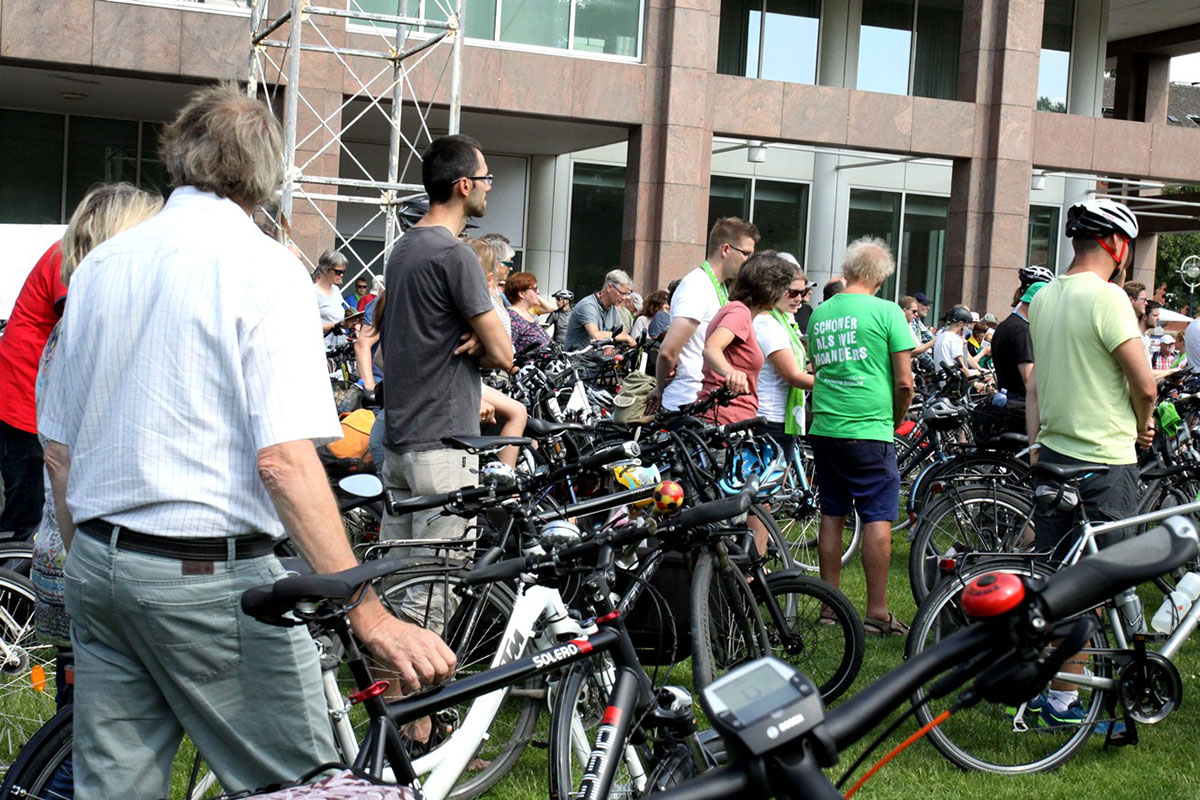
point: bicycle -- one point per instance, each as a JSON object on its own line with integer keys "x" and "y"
{"x": 1007, "y": 738}
{"x": 778, "y": 737}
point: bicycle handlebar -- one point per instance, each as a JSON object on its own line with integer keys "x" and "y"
{"x": 1098, "y": 577}
{"x": 1066, "y": 594}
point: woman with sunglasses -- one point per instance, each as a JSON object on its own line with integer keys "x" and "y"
{"x": 783, "y": 378}
{"x": 331, "y": 266}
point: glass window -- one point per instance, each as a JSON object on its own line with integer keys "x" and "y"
{"x": 728, "y": 197}
{"x": 939, "y": 31}
{"x": 1054, "y": 67}
{"x": 31, "y": 172}
{"x": 597, "y": 211}
{"x": 99, "y": 150}
{"x": 885, "y": 46}
{"x": 923, "y": 246}
{"x": 772, "y": 39}
{"x": 538, "y": 22}
{"x": 875, "y": 213}
{"x": 1043, "y": 237}
{"x": 781, "y": 213}
{"x": 607, "y": 27}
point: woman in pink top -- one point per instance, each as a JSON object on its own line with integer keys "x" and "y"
{"x": 732, "y": 357}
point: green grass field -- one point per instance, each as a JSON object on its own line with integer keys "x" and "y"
{"x": 1166, "y": 763}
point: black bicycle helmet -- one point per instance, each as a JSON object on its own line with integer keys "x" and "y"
{"x": 1100, "y": 217}
{"x": 563, "y": 294}
{"x": 1034, "y": 273}
{"x": 959, "y": 315}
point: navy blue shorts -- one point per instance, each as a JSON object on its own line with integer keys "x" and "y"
{"x": 858, "y": 474}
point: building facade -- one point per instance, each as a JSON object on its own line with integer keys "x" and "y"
{"x": 957, "y": 130}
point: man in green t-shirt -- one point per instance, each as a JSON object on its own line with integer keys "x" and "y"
{"x": 1090, "y": 398}
{"x": 861, "y": 350}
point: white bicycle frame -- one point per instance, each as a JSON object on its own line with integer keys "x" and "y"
{"x": 440, "y": 770}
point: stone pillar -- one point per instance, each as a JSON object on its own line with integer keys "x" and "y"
{"x": 1088, "y": 51}
{"x": 545, "y": 236}
{"x": 669, "y": 158}
{"x": 989, "y": 202}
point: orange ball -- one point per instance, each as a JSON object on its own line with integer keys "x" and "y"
{"x": 668, "y": 497}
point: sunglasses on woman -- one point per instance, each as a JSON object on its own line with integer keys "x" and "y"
{"x": 794, "y": 293}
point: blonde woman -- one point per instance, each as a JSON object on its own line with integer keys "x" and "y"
{"x": 104, "y": 212}
{"x": 496, "y": 405}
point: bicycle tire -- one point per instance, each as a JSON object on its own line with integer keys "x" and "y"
{"x": 475, "y": 643}
{"x": 43, "y": 757}
{"x": 968, "y": 519}
{"x": 985, "y": 737}
{"x": 27, "y": 674}
{"x": 17, "y": 556}
{"x": 825, "y": 638}
{"x": 579, "y": 703}
{"x": 1007, "y": 470}
{"x": 779, "y": 551}
{"x": 727, "y": 629}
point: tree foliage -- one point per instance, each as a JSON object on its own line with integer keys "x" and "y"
{"x": 1173, "y": 248}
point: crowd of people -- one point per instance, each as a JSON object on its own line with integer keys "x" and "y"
{"x": 178, "y": 436}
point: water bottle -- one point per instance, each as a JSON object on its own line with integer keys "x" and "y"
{"x": 1000, "y": 398}
{"x": 1173, "y": 608}
{"x": 1130, "y": 606}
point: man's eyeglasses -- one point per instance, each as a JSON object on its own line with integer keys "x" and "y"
{"x": 746, "y": 253}
{"x": 488, "y": 179}
{"x": 624, "y": 293}
{"x": 339, "y": 272}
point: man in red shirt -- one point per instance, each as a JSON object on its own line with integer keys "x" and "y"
{"x": 38, "y": 307}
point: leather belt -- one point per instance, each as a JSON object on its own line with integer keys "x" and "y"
{"x": 208, "y": 549}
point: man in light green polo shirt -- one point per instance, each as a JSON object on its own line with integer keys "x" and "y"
{"x": 1090, "y": 401}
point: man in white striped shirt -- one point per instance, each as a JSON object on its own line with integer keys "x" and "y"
{"x": 181, "y": 442}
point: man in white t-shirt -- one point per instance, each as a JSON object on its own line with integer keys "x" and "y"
{"x": 699, "y": 296}
{"x": 948, "y": 347}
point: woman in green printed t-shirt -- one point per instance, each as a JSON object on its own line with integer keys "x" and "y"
{"x": 861, "y": 351}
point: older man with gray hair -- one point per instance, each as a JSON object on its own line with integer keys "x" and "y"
{"x": 181, "y": 456}
{"x": 861, "y": 347}
{"x": 597, "y": 318}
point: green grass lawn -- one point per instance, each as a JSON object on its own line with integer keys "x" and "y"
{"x": 1166, "y": 763}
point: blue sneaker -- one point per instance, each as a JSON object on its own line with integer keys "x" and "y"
{"x": 1073, "y": 716}
{"x": 1033, "y": 708}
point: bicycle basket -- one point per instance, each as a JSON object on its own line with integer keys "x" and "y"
{"x": 660, "y": 622}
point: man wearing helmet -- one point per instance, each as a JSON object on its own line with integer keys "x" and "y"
{"x": 1091, "y": 394}
{"x": 948, "y": 347}
{"x": 561, "y": 316}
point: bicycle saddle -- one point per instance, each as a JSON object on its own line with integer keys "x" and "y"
{"x": 1063, "y": 472}
{"x": 1009, "y": 441}
{"x": 484, "y": 444}
{"x": 541, "y": 427}
{"x": 269, "y": 602}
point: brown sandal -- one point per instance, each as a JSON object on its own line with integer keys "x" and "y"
{"x": 884, "y": 627}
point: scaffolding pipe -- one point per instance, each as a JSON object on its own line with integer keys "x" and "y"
{"x": 391, "y": 221}
{"x": 290, "y": 112}
{"x": 456, "y": 71}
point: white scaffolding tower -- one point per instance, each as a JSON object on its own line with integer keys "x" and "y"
{"x": 377, "y": 86}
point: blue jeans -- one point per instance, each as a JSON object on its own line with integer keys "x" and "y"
{"x": 159, "y": 652}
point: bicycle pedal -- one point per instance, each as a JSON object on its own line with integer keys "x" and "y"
{"x": 540, "y": 744}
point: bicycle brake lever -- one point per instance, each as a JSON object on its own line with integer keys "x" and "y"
{"x": 1017, "y": 677}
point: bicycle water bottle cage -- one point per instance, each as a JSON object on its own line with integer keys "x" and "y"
{"x": 1059, "y": 497}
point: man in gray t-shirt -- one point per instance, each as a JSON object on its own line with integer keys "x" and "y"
{"x": 595, "y": 317}
{"x": 440, "y": 328}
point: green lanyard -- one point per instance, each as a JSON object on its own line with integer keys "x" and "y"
{"x": 793, "y": 419}
{"x": 793, "y": 334}
{"x": 722, "y": 292}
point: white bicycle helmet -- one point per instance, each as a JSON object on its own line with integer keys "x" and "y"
{"x": 1101, "y": 217}
{"x": 1033, "y": 274}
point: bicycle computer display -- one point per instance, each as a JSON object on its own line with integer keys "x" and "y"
{"x": 763, "y": 704}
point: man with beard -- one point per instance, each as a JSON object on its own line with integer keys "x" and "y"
{"x": 440, "y": 329}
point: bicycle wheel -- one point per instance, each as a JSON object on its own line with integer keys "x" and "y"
{"x": 726, "y": 627}
{"x": 43, "y": 771}
{"x": 580, "y": 699}
{"x": 779, "y": 551}
{"x": 797, "y": 512}
{"x": 16, "y": 556}
{"x": 992, "y": 738}
{"x": 821, "y": 633}
{"x": 966, "y": 520}
{"x": 27, "y": 683}
{"x": 473, "y": 630}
